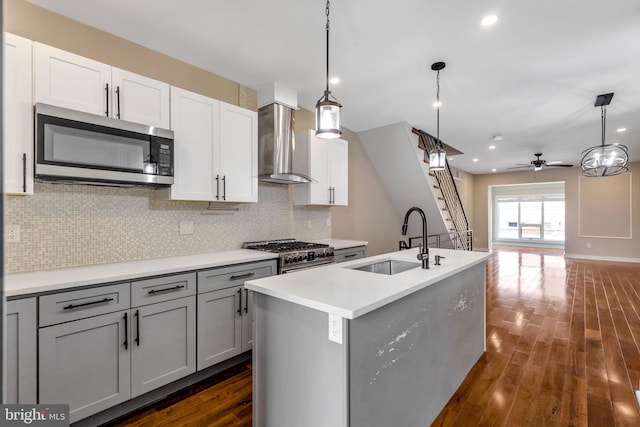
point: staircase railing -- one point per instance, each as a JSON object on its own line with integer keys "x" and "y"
{"x": 449, "y": 194}
{"x": 452, "y": 240}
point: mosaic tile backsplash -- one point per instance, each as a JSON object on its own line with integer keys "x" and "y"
{"x": 65, "y": 225}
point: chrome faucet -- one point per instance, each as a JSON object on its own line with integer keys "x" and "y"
{"x": 423, "y": 252}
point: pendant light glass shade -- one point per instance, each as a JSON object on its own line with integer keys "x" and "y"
{"x": 328, "y": 118}
{"x": 604, "y": 159}
{"x": 437, "y": 159}
{"x": 328, "y": 110}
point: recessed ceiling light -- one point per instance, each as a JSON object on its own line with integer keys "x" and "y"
{"x": 489, "y": 20}
{"x": 492, "y": 147}
{"x": 475, "y": 160}
{"x": 621, "y": 130}
{"x": 437, "y": 104}
{"x": 494, "y": 169}
{"x": 334, "y": 80}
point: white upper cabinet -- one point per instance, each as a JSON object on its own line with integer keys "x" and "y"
{"x": 239, "y": 153}
{"x": 195, "y": 120}
{"x": 18, "y": 116}
{"x": 338, "y": 166}
{"x": 140, "y": 99}
{"x": 72, "y": 81}
{"x": 215, "y": 150}
{"x": 327, "y": 162}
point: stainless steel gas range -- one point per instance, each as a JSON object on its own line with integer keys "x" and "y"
{"x": 294, "y": 255}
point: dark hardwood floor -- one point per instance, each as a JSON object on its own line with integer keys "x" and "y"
{"x": 562, "y": 350}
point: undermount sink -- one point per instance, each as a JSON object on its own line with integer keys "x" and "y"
{"x": 388, "y": 267}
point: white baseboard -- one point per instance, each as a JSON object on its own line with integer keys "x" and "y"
{"x": 602, "y": 258}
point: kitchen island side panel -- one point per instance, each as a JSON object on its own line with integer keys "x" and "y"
{"x": 299, "y": 376}
{"x": 409, "y": 357}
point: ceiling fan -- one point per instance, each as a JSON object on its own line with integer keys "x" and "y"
{"x": 539, "y": 163}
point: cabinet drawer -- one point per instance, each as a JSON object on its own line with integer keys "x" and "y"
{"x": 74, "y": 305}
{"x": 235, "y": 275}
{"x": 350, "y": 254}
{"x": 160, "y": 289}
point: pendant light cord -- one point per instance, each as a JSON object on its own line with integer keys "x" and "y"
{"x": 327, "y": 79}
{"x": 603, "y": 115}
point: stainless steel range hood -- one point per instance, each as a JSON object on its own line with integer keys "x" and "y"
{"x": 276, "y": 144}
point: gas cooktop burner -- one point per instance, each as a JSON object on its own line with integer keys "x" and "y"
{"x": 295, "y": 255}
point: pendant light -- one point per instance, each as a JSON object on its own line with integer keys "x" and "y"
{"x": 604, "y": 159}
{"x": 328, "y": 107}
{"x": 437, "y": 155}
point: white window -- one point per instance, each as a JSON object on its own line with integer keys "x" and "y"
{"x": 527, "y": 217}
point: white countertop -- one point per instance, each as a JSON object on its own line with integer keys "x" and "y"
{"x": 53, "y": 280}
{"x": 340, "y": 290}
{"x": 341, "y": 243}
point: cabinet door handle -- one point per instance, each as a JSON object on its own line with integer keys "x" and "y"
{"x": 350, "y": 255}
{"x": 224, "y": 187}
{"x": 157, "y": 291}
{"x": 106, "y": 95}
{"x": 240, "y": 302}
{"x": 126, "y": 331}
{"x": 72, "y": 306}
{"x": 242, "y": 276}
{"x": 246, "y": 300}
{"x": 137, "y": 327}
{"x": 118, "y": 100}
{"x": 24, "y": 172}
{"x": 217, "y": 187}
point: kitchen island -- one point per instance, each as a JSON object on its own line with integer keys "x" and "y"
{"x": 344, "y": 345}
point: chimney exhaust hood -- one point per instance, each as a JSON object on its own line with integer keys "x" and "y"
{"x": 276, "y": 138}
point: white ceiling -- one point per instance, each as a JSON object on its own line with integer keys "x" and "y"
{"x": 532, "y": 77}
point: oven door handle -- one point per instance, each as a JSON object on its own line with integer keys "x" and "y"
{"x": 306, "y": 267}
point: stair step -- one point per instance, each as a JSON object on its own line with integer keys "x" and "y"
{"x": 445, "y": 209}
{"x": 436, "y": 187}
{"x": 440, "y": 198}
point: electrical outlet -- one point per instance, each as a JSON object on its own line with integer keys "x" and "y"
{"x": 335, "y": 328}
{"x": 13, "y": 233}
{"x": 588, "y": 245}
{"x": 328, "y": 222}
{"x": 186, "y": 227}
{"x": 308, "y": 224}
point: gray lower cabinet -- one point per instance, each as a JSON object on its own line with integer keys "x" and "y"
{"x": 247, "y": 320}
{"x": 349, "y": 254}
{"x": 93, "y": 360}
{"x": 163, "y": 343}
{"x": 225, "y": 311}
{"x": 20, "y": 351}
{"x": 219, "y": 326}
{"x": 163, "y": 330}
{"x": 86, "y": 364}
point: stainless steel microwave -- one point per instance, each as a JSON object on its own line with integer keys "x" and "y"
{"x": 74, "y": 146}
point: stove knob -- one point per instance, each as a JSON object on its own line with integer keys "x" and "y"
{"x": 287, "y": 260}
{"x": 301, "y": 258}
{"x": 320, "y": 255}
